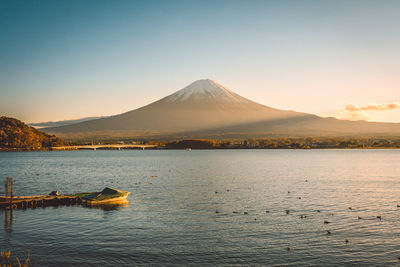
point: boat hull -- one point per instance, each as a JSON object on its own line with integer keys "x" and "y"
{"x": 110, "y": 200}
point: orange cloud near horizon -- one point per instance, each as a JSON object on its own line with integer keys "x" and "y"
{"x": 373, "y": 107}
{"x": 355, "y": 112}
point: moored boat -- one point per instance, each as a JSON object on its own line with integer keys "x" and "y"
{"x": 108, "y": 195}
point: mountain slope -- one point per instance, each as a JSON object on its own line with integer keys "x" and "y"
{"x": 303, "y": 126}
{"x": 202, "y": 105}
{"x": 206, "y": 108}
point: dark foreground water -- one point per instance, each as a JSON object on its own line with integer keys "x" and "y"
{"x": 177, "y": 218}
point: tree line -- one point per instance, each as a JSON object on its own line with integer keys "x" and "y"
{"x": 287, "y": 143}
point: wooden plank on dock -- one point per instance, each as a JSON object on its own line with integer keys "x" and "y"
{"x": 24, "y": 202}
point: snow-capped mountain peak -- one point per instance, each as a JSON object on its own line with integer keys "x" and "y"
{"x": 204, "y": 89}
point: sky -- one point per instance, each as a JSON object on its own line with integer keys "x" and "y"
{"x": 71, "y": 59}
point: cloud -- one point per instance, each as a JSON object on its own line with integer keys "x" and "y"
{"x": 373, "y": 107}
{"x": 354, "y": 112}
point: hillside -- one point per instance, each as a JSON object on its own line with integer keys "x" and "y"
{"x": 206, "y": 109}
{"x": 16, "y": 135}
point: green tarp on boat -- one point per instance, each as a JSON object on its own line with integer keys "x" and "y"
{"x": 108, "y": 193}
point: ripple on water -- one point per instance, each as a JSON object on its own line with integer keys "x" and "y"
{"x": 172, "y": 217}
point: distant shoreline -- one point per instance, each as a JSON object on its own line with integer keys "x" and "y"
{"x": 130, "y": 149}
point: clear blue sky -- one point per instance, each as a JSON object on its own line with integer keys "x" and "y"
{"x": 71, "y": 59}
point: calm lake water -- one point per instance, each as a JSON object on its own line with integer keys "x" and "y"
{"x": 177, "y": 218}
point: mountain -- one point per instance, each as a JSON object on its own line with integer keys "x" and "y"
{"x": 16, "y": 135}
{"x": 208, "y": 109}
{"x": 48, "y": 124}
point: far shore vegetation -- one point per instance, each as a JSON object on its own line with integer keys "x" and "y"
{"x": 17, "y": 136}
{"x": 256, "y": 143}
{"x": 272, "y": 143}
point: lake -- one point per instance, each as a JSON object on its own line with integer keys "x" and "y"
{"x": 209, "y": 208}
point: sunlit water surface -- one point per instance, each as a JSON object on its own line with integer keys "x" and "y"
{"x": 193, "y": 211}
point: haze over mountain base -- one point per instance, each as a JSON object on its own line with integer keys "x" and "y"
{"x": 206, "y": 109}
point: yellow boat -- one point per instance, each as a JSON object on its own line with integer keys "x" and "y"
{"x": 108, "y": 195}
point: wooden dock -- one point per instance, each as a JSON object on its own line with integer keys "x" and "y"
{"x": 25, "y": 202}
{"x": 90, "y": 199}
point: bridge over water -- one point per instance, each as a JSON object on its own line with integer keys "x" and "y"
{"x": 95, "y": 147}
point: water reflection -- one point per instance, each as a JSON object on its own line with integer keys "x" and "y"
{"x": 8, "y": 218}
{"x": 109, "y": 206}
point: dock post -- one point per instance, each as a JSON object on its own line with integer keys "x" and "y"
{"x": 9, "y": 189}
